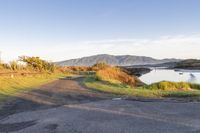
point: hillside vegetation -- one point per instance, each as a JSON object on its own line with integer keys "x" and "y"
{"x": 188, "y": 64}
{"x": 25, "y": 63}
{"x": 170, "y": 86}
{"x": 30, "y": 72}
{"x": 113, "y": 80}
{"x": 17, "y": 77}
{"x": 116, "y": 75}
{"x": 143, "y": 91}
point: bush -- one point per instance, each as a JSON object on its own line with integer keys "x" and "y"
{"x": 116, "y": 75}
{"x": 38, "y": 64}
{"x": 195, "y": 86}
{"x": 169, "y": 86}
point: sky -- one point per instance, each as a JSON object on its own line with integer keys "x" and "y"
{"x": 59, "y": 30}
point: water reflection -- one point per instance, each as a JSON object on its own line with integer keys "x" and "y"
{"x": 157, "y": 75}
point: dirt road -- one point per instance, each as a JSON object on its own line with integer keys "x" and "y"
{"x": 64, "y": 106}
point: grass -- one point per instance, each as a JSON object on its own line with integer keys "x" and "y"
{"x": 169, "y": 86}
{"x": 116, "y": 75}
{"x": 10, "y": 87}
{"x": 195, "y": 86}
{"x": 145, "y": 91}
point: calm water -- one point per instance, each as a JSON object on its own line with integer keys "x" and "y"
{"x": 157, "y": 75}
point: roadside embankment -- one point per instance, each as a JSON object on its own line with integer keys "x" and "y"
{"x": 13, "y": 85}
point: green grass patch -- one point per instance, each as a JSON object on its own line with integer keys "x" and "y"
{"x": 152, "y": 91}
{"x": 170, "y": 86}
{"x": 183, "y": 94}
{"x": 10, "y": 87}
{"x": 195, "y": 86}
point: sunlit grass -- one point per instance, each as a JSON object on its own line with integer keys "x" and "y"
{"x": 12, "y": 86}
{"x": 145, "y": 91}
{"x": 116, "y": 75}
{"x": 169, "y": 86}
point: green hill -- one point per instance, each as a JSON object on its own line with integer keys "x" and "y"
{"x": 188, "y": 64}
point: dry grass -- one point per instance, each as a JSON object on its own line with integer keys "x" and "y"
{"x": 11, "y": 86}
{"x": 116, "y": 75}
{"x": 79, "y": 68}
{"x": 145, "y": 91}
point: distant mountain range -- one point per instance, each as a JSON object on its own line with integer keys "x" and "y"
{"x": 122, "y": 60}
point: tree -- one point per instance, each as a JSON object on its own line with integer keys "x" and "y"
{"x": 37, "y": 64}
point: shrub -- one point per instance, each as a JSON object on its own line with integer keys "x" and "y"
{"x": 38, "y": 64}
{"x": 116, "y": 75}
{"x": 169, "y": 86}
{"x": 195, "y": 86}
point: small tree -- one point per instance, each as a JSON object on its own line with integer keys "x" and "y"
{"x": 38, "y": 64}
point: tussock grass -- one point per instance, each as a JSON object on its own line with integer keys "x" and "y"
{"x": 116, "y": 75}
{"x": 194, "y": 86}
{"x": 113, "y": 80}
{"x": 182, "y": 94}
{"x": 169, "y": 86}
{"x": 115, "y": 88}
{"x": 152, "y": 91}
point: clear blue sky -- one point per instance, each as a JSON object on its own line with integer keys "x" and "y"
{"x": 63, "y": 29}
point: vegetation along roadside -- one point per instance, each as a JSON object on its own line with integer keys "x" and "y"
{"x": 24, "y": 75}
{"x": 109, "y": 80}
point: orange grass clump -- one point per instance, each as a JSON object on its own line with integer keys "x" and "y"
{"x": 116, "y": 74}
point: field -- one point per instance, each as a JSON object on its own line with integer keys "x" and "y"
{"x": 103, "y": 77}
{"x": 157, "y": 90}
{"x": 11, "y": 86}
{"x": 17, "y": 77}
{"x": 102, "y": 93}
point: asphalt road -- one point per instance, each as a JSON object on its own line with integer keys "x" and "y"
{"x": 63, "y": 106}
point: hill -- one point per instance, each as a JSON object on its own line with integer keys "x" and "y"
{"x": 188, "y": 64}
{"x": 122, "y": 60}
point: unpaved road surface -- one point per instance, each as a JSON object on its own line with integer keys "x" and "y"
{"x": 63, "y": 106}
